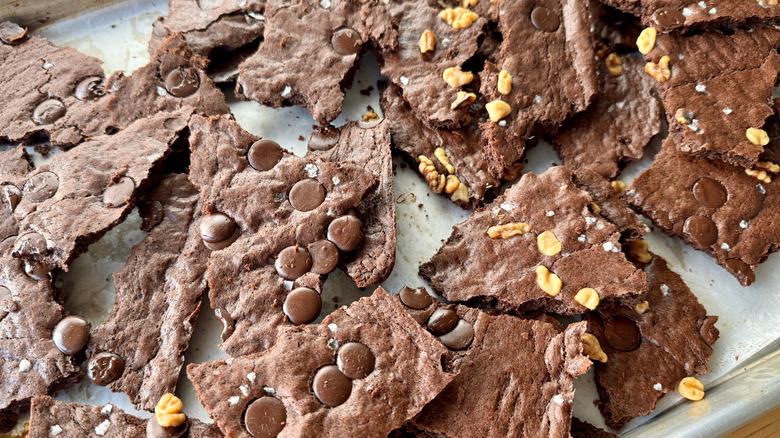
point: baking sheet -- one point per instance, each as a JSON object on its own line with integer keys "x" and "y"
{"x": 749, "y": 317}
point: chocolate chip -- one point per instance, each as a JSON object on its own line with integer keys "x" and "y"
{"x": 460, "y": 337}
{"x": 345, "y": 232}
{"x": 417, "y": 299}
{"x": 151, "y": 213}
{"x": 264, "y": 155}
{"x": 668, "y": 17}
{"x": 71, "y": 334}
{"x": 742, "y": 271}
{"x": 355, "y": 360}
{"x": 12, "y": 33}
{"x": 325, "y": 256}
{"x": 158, "y": 28}
{"x": 708, "y": 331}
{"x": 346, "y": 42}
{"x": 710, "y": 193}
{"x": 622, "y": 333}
{"x": 306, "y": 195}
{"x": 545, "y": 19}
{"x": 41, "y": 186}
{"x": 218, "y": 230}
{"x": 228, "y": 324}
{"x": 119, "y": 193}
{"x": 293, "y": 262}
{"x": 90, "y": 88}
{"x": 154, "y": 430}
{"x": 324, "y": 138}
{"x": 442, "y": 321}
{"x": 265, "y": 417}
{"x": 48, "y": 111}
{"x": 701, "y": 230}
{"x": 331, "y": 386}
{"x": 104, "y": 368}
{"x": 30, "y": 244}
{"x": 37, "y": 271}
{"x": 302, "y": 305}
{"x": 182, "y": 82}
{"x": 11, "y": 195}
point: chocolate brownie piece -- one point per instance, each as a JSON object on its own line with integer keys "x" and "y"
{"x": 364, "y": 371}
{"x": 14, "y": 167}
{"x": 277, "y": 224}
{"x": 582, "y": 429}
{"x": 158, "y": 294}
{"x": 669, "y": 15}
{"x": 712, "y": 206}
{"x": 615, "y": 129}
{"x": 720, "y": 86}
{"x": 650, "y": 348}
{"x": 49, "y": 417}
{"x": 309, "y": 50}
{"x": 366, "y": 144}
{"x": 534, "y": 248}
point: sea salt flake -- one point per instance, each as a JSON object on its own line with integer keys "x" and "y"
{"x": 47, "y": 65}
{"x": 609, "y": 246}
{"x": 744, "y": 224}
{"x": 664, "y": 289}
{"x": 558, "y": 399}
{"x": 620, "y": 105}
{"x": 404, "y": 80}
{"x": 590, "y": 220}
{"x": 537, "y": 98}
{"x": 325, "y": 3}
{"x": 161, "y": 91}
{"x": 502, "y": 123}
{"x": 24, "y": 365}
{"x": 703, "y": 5}
{"x": 725, "y": 246}
{"x": 687, "y": 12}
{"x": 311, "y": 170}
{"x": 727, "y": 111}
{"x": 244, "y": 390}
{"x": 507, "y": 206}
{"x": 701, "y": 88}
{"x": 251, "y": 377}
{"x": 102, "y": 428}
{"x": 582, "y": 238}
{"x": 550, "y": 213}
{"x": 268, "y": 390}
{"x": 55, "y": 430}
{"x": 287, "y": 92}
{"x": 336, "y": 180}
{"x": 658, "y": 387}
{"x": 333, "y": 344}
{"x": 761, "y": 189}
{"x": 256, "y": 15}
{"x": 713, "y": 11}
{"x": 333, "y": 327}
{"x": 107, "y": 409}
{"x": 233, "y": 400}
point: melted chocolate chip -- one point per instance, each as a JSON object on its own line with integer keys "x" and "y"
{"x": 228, "y": 324}
{"x": 325, "y": 256}
{"x": 264, "y": 155}
{"x": 10, "y": 195}
{"x": 154, "y": 430}
{"x": 710, "y": 193}
{"x": 71, "y": 334}
{"x": 346, "y": 42}
{"x": 306, "y": 195}
{"x": 41, "y": 186}
{"x": 12, "y": 33}
{"x": 324, "y": 138}
{"x": 48, "y": 111}
{"x": 622, "y": 333}
{"x": 90, "y": 88}
{"x": 668, "y": 17}
{"x": 442, "y": 321}
{"x": 355, "y": 360}
{"x": 119, "y": 193}
{"x": 182, "y": 82}
{"x": 345, "y": 232}
{"x": 159, "y": 28}
{"x": 701, "y": 230}
{"x": 331, "y": 386}
{"x": 218, "y": 230}
{"x": 104, "y": 368}
{"x": 37, "y": 271}
{"x": 460, "y": 337}
{"x": 302, "y": 305}
{"x": 30, "y": 244}
{"x": 417, "y": 299}
{"x": 742, "y": 271}
{"x": 708, "y": 331}
{"x": 265, "y": 417}
{"x": 545, "y": 19}
{"x": 293, "y": 262}
{"x": 151, "y": 213}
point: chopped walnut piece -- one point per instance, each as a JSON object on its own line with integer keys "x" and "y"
{"x": 548, "y": 244}
{"x": 638, "y": 250}
{"x": 505, "y": 231}
{"x": 504, "y": 82}
{"x": 452, "y": 184}
{"x": 760, "y": 175}
{"x": 592, "y": 348}
{"x": 461, "y": 193}
{"x": 588, "y": 297}
{"x": 595, "y": 207}
{"x": 427, "y": 41}
{"x": 455, "y": 77}
{"x": 691, "y": 388}
{"x": 513, "y": 172}
{"x": 642, "y": 307}
{"x": 458, "y": 18}
{"x": 370, "y": 116}
{"x": 646, "y": 40}
{"x": 168, "y": 411}
{"x": 614, "y": 64}
{"x": 497, "y": 110}
{"x": 435, "y": 181}
{"x": 684, "y": 116}
{"x": 618, "y": 186}
{"x": 758, "y": 137}
{"x": 550, "y": 283}
{"x": 661, "y": 71}
{"x": 441, "y": 155}
{"x": 468, "y": 3}
{"x": 463, "y": 99}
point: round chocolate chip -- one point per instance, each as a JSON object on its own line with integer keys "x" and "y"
{"x": 119, "y": 193}
{"x": 708, "y": 331}
{"x": 154, "y": 430}
{"x": 325, "y": 256}
{"x": 355, "y": 360}
{"x": 48, "y": 111}
{"x": 12, "y": 33}
{"x": 306, "y": 195}
{"x": 302, "y": 305}
{"x": 710, "y": 193}
{"x": 331, "y": 386}
{"x": 71, "y": 334}
{"x": 346, "y": 42}
{"x": 622, "y": 333}
{"x": 324, "y": 138}
{"x": 10, "y": 195}
{"x": 742, "y": 271}
{"x": 264, "y": 155}
{"x": 668, "y": 17}
{"x": 90, "y": 88}
{"x": 265, "y": 417}
{"x": 218, "y": 230}
{"x": 345, "y": 232}
{"x": 151, "y": 213}
{"x": 182, "y": 82}
{"x": 417, "y": 299}
{"x": 30, "y": 244}
{"x": 701, "y": 230}
{"x": 293, "y": 262}
{"x": 37, "y": 271}
{"x": 228, "y": 324}
{"x": 460, "y": 337}
{"x": 442, "y": 321}
{"x": 545, "y": 19}
{"x": 41, "y": 186}
{"x": 159, "y": 28}
{"x": 104, "y": 368}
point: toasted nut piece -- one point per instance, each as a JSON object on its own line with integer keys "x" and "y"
{"x": 638, "y": 250}
{"x": 661, "y": 71}
{"x": 461, "y": 193}
{"x": 592, "y": 347}
{"x": 595, "y": 207}
{"x": 504, "y": 82}
{"x": 467, "y": 3}
{"x": 370, "y": 116}
{"x": 768, "y": 166}
{"x": 646, "y": 40}
{"x": 691, "y": 388}
{"x": 588, "y": 297}
{"x": 760, "y": 175}
{"x": 757, "y": 136}
{"x": 550, "y": 283}
{"x": 458, "y": 18}
{"x": 455, "y": 77}
{"x": 497, "y": 110}
{"x": 452, "y": 184}
{"x": 441, "y": 155}
{"x": 614, "y": 64}
{"x": 548, "y": 244}
{"x": 642, "y": 307}
{"x": 513, "y": 172}
{"x": 168, "y": 411}
{"x": 618, "y": 186}
{"x": 771, "y": 2}
{"x": 463, "y": 99}
{"x": 505, "y": 231}
{"x": 684, "y": 116}
{"x": 435, "y": 181}
{"x": 427, "y": 41}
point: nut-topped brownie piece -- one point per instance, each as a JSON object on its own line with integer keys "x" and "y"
{"x": 364, "y": 371}
{"x": 158, "y": 295}
{"x": 657, "y": 343}
{"x": 534, "y": 248}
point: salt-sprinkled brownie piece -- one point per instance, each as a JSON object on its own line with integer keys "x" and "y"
{"x": 364, "y": 371}
{"x": 656, "y": 344}
{"x": 582, "y": 429}
{"x": 158, "y": 295}
{"x": 717, "y": 90}
{"x": 309, "y": 50}
{"x": 534, "y": 248}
